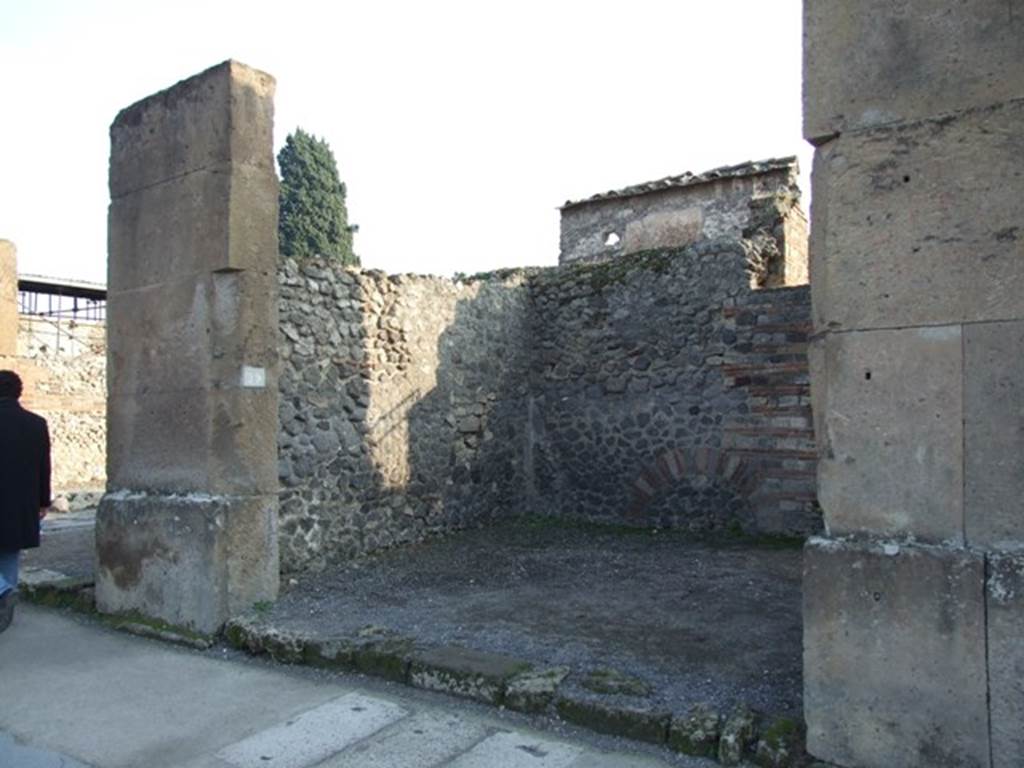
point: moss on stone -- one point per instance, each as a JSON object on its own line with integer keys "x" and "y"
{"x": 697, "y": 733}
{"x": 236, "y": 636}
{"x": 329, "y": 654}
{"x": 631, "y": 723}
{"x": 387, "y": 658}
{"x": 149, "y": 626}
{"x": 781, "y": 744}
{"x": 72, "y": 594}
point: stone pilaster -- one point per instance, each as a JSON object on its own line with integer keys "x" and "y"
{"x": 915, "y": 109}
{"x": 187, "y": 530}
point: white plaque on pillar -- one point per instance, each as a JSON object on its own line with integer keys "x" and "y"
{"x": 254, "y": 377}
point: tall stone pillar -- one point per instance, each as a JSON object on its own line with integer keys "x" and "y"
{"x": 914, "y": 600}
{"x": 8, "y": 299}
{"x": 187, "y": 530}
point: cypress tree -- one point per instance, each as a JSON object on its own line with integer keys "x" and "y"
{"x": 313, "y": 218}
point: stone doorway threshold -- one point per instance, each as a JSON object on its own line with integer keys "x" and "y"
{"x": 691, "y": 642}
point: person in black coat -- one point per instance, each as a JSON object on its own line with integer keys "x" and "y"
{"x": 24, "y": 485}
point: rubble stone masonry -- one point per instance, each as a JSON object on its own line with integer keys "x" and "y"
{"x": 653, "y": 390}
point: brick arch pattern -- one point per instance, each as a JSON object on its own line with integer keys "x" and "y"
{"x": 697, "y": 466}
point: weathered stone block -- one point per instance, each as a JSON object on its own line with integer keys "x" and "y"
{"x": 191, "y": 561}
{"x": 878, "y": 61}
{"x": 8, "y": 298}
{"x": 224, "y": 114}
{"x": 158, "y": 441}
{"x": 1005, "y": 591}
{"x": 697, "y": 733}
{"x": 889, "y": 425}
{"x": 900, "y": 244}
{"x": 739, "y": 732}
{"x": 192, "y": 333}
{"x": 212, "y": 441}
{"x": 465, "y": 672}
{"x": 212, "y": 219}
{"x": 994, "y": 433}
{"x": 633, "y": 722}
{"x": 894, "y": 655}
{"x": 534, "y": 690}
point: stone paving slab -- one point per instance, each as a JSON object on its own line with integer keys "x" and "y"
{"x": 315, "y": 735}
{"x": 426, "y": 738}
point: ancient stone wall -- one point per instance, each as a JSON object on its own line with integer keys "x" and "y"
{"x": 758, "y": 201}
{"x": 8, "y": 298}
{"x": 659, "y": 390}
{"x": 667, "y": 392}
{"x": 67, "y": 386}
{"x": 402, "y": 407}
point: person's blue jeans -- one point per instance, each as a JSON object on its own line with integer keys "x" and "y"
{"x": 8, "y": 571}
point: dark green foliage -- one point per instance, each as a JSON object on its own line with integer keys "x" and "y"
{"x": 313, "y": 219}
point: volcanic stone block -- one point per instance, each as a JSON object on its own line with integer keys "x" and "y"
{"x": 210, "y": 219}
{"x": 191, "y": 333}
{"x": 994, "y": 433}
{"x": 465, "y": 672}
{"x": 889, "y": 423}
{"x": 897, "y": 241}
{"x": 213, "y": 441}
{"x": 1006, "y": 658}
{"x": 878, "y": 61}
{"x": 221, "y": 115}
{"x": 8, "y": 299}
{"x": 192, "y": 387}
{"x": 191, "y": 561}
{"x": 894, "y": 655}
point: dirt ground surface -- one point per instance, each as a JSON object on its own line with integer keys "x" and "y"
{"x": 711, "y": 621}
{"x": 697, "y": 620}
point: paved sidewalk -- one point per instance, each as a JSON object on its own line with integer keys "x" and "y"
{"x": 78, "y": 694}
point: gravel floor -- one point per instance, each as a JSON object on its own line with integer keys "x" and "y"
{"x": 699, "y": 620}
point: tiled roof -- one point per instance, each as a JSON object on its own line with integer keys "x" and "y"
{"x": 688, "y": 179}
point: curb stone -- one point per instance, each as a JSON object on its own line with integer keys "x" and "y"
{"x": 697, "y": 733}
{"x": 54, "y": 589}
{"x": 464, "y": 672}
{"x": 633, "y": 722}
{"x": 739, "y": 733}
{"x": 514, "y": 683}
{"x": 533, "y": 692}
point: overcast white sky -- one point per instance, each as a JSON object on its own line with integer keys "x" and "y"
{"x": 459, "y": 127}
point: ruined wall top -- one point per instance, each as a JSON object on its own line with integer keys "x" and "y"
{"x": 677, "y": 211}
